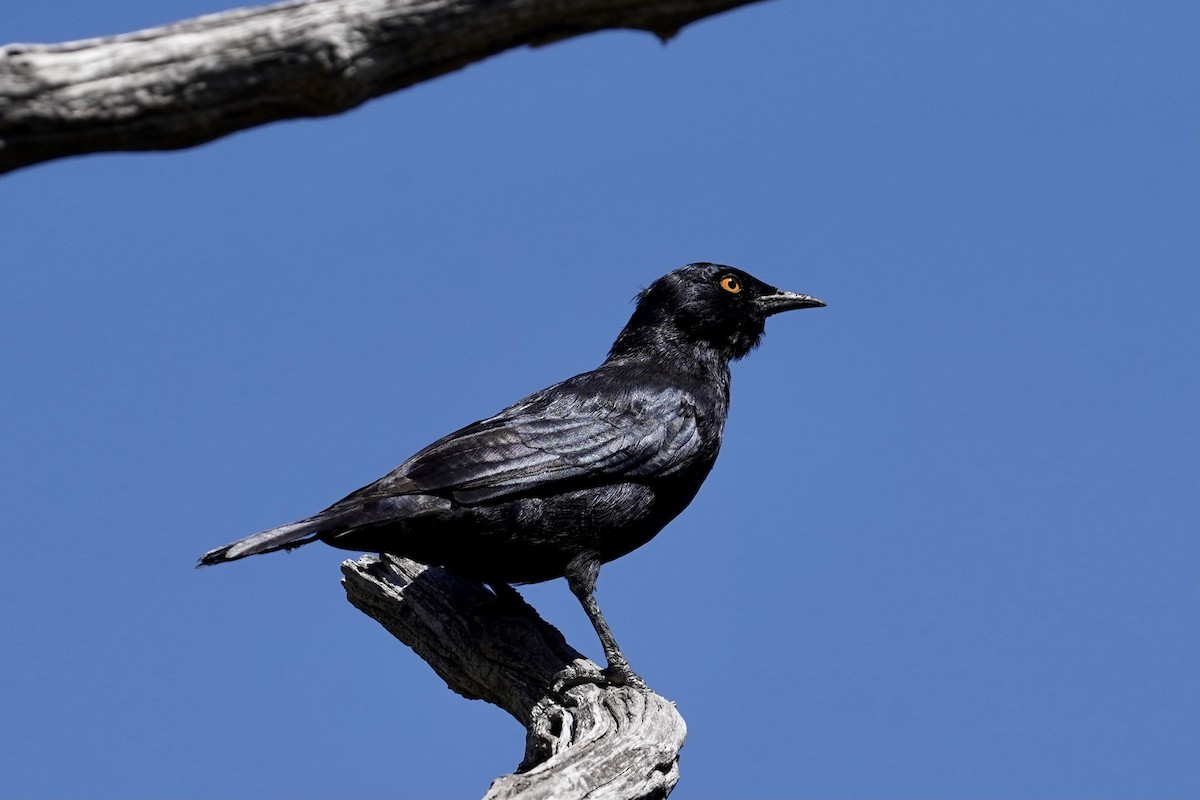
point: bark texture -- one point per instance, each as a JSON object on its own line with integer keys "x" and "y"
{"x": 585, "y": 739}
{"x": 194, "y": 81}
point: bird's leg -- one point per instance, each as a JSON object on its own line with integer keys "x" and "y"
{"x": 618, "y": 670}
{"x": 581, "y": 577}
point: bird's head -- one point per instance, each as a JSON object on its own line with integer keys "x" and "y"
{"x": 707, "y": 305}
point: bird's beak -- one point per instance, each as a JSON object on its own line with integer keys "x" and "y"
{"x": 770, "y": 304}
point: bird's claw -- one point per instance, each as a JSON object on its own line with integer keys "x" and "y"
{"x": 621, "y": 674}
{"x": 612, "y": 675}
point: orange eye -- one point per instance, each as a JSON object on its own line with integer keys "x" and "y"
{"x": 731, "y": 284}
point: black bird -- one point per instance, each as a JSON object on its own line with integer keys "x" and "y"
{"x": 577, "y": 474}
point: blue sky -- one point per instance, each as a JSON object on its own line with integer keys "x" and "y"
{"x": 951, "y": 546}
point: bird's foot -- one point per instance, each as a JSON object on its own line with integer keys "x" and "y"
{"x": 623, "y": 675}
{"x": 618, "y": 674}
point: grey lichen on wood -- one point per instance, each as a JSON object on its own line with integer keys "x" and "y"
{"x": 194, "y": 81}
{"x": 585, "y": 738}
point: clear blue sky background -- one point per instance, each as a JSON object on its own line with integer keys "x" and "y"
{"x": 951, "y": 548}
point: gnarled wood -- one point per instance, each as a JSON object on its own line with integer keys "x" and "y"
{"x": 194, "y": 81}
{"x": 585, "y": 739}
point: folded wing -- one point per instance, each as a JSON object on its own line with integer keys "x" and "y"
{"x": 550, "y": 441}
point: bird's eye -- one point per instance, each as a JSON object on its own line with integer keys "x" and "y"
{"x": 731, "y": 284}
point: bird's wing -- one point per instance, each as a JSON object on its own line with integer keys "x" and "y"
{"x": 554, "y": 437}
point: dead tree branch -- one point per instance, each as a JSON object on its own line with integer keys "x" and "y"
{"x": 585, "y": 740}
{"x": 194, "y": 81}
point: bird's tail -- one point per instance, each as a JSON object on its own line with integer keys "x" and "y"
{"x": 285, "y": 537}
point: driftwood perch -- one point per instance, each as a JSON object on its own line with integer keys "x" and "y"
{"x": 585, "y": 739}
{"x": 194, "y": 81}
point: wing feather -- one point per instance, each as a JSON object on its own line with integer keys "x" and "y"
{"x": 533, "y": 446}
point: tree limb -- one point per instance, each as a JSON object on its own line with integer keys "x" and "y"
{"x": 585, "y": 739}
{"x": 194, "y": 81}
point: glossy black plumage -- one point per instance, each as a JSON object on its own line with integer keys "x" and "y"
{"x": 577, "y": 474}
